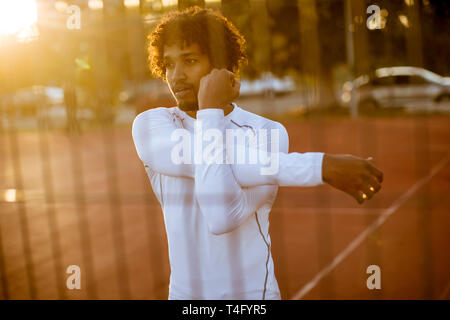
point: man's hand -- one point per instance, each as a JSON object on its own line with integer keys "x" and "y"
{"x": 217, "y": 89}
{"x": 356, "y": 176}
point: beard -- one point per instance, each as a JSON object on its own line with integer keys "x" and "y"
{"x": 187, "y": 105}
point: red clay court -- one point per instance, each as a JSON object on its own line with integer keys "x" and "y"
{"x": 85, "y": 200}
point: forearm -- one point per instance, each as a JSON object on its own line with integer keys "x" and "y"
{"x": 222, "y": 200}
{"x": 285, "y": 169}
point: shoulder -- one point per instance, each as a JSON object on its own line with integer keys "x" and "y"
{"x": 152, "y": 117}
{"x": 160, "y": 112}
{"x": 259, "y": 122}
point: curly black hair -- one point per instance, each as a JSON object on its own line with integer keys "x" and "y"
{"x": 216, "y": 36}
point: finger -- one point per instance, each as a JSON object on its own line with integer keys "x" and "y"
{"x": 236, "y": 91}
{"x": 230, "y": 75}
{"x": 357, "y": 196}
{"x": 366, "y": 193}
{"x": 226, "y": 72}
{"x": 212, "y": 72}
{"x": 374, "y": 184}
{"x": 370, "y": 183}
{"x": 369, "y": 158}
{"x": 233, "y": 82}
{"x": 376, "y": 172}
{"x": 237, "y": 83}
{"x": 360, "y": 199}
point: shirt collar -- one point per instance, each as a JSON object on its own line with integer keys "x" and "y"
{"x": 188, "y": 121}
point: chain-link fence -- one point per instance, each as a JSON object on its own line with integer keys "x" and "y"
{"x": 75, "y": 193}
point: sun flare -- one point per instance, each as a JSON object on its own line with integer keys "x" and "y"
{"x": 17, "y": 15}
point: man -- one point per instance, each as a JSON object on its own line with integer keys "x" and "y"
{"x": 216, "y": 209}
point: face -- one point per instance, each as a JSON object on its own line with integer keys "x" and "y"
{"x": 185, "y": 66}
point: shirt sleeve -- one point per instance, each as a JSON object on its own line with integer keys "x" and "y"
{"x": 152, "y": 135}
{"x": 152, "y": 131}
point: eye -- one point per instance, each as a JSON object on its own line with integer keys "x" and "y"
{"x": 191, "y": 61}
{"x": 168, "y": 65}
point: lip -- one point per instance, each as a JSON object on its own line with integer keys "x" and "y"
{"x": 183, "y": 92}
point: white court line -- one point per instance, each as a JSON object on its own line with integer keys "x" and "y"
{"x": 444, "y": 293}
{"x": 357, "y": 241}
{"x": 314, "y": 210}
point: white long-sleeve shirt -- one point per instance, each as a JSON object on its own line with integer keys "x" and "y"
{"x": 216, "y": 214}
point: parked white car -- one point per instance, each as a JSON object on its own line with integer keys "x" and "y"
{"x": 267, "y": 84}
{"x": 408, "y": 87}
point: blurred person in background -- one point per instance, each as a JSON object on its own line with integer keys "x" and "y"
{"x": 70, "y": 101}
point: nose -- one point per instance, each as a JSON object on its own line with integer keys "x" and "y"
{"x": 178, "y": 72}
